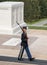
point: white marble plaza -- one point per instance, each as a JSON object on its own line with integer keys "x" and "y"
{"x": 12, "y": 42}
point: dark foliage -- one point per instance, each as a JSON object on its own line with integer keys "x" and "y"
{"x": 33, "y": 9}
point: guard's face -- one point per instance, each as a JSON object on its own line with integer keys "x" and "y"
{"x": 24, "y": 30}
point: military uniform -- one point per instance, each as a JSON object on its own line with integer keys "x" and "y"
{"x": 24, "y": 46}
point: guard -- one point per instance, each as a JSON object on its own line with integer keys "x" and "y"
{"x": 24, "y": 45}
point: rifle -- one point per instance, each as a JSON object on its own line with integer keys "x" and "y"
{"x": 19, "y": 25}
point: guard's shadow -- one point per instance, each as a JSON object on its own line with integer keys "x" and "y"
{"x": 14, "y": 59}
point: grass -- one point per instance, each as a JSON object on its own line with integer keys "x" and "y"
{"x": 36, "y": 27}
{"x": 35, "y": 21}
{"x": 45, "y": 24}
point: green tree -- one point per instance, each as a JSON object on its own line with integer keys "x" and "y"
{"x": 33, "y": 9}
{"x": 43, "y": 8}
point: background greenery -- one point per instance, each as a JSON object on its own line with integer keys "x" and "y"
{"x": 34, "y": 9}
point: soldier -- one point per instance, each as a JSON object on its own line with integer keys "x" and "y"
{"x": 24, "y": 45}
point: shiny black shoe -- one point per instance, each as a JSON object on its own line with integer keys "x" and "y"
{"x": 31, "y": 59}
{"x": 20, "y": 59}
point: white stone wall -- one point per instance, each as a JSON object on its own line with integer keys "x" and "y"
{"x": 9, "y": 14}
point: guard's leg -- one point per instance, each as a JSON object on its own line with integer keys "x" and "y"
{"x": 28, "y": 52}
{"x": 21, "y": 53}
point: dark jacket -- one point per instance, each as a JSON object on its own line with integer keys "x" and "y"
{"x": 24, "y": 39}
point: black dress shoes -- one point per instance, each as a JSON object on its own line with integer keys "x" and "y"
{"x": 31, "y": 59}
